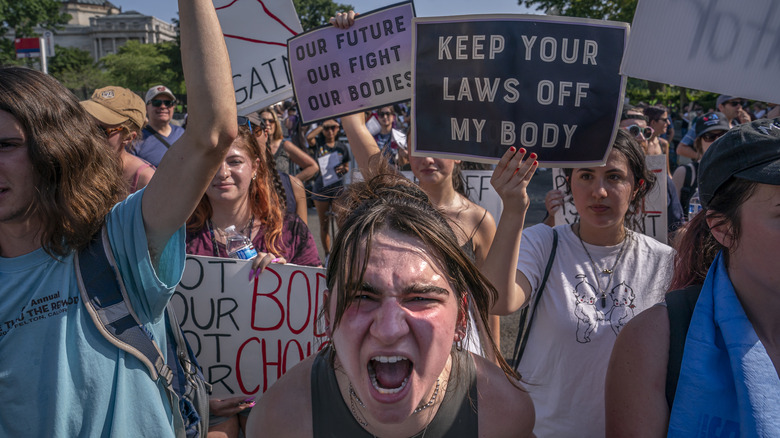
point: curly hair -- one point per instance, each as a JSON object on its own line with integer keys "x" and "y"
{"x": 265, "y": 202}
{"x": 644, "y": 179}
{"x": 78, "y": 179}
{"x": 388, "y": 201}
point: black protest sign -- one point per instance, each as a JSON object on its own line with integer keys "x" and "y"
{"x": 548, "y": 84}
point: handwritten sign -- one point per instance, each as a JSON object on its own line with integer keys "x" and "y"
{"x": 654, "y": 206}
{"x": 245, "y": 334}
{"x": 256, "y": 36}
{"x": 549, "y": 84}
{"x": 481, "y": 192}
{"x": 337, "y": 72}
{"x": 720, "y": 46}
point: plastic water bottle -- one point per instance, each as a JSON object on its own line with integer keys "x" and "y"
{"x": 238, "y": 245}
{"x": 694, "y": 205}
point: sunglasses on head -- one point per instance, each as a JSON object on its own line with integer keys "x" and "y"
{"x": 640, "y": 132}
{"x": 164, "y": 103}
{"x": 384, "y": 114}
{"x": 330, "y": 128}
{"x": 244, "y": 121}
{"x": 712, "y": 136}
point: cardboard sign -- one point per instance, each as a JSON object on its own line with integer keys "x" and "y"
{"x": 720, "y": 46}
{"x": 245, "y": 334}
{"x": 654, "y": 206}
{"x": 481, "y": 192}
{"x": 485, "y": 83}
{"x": 256, "y": 36}
{"x": 337, "y": 72}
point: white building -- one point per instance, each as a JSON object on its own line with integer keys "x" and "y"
{"x": 100, "y": 28}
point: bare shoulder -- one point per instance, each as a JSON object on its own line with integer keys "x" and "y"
{"x": 285, "y": 409}
{"x": 505, "y": 410}
{"x": 635, "y": 390}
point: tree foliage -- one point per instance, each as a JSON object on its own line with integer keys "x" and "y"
{"x": 22, "y": 17}
{"x": 139, "y": 66}
{"x": 315, "y": 13}
{"x": 76, "y": 70}
{"x": 616, "y": 10}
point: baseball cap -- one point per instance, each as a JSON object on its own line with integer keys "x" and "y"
{"x": 158, "y": 90}
{"x": 116, "y": 105}
{"x": 750, "y": 151}
{"x": 724, "y": 98}
{"x": 712, "y": 121}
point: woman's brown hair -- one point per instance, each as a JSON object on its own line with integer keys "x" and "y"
{"x": 264, "y": 201}
{"x": 78, "y": 179}
{"x": 388, "y": 201}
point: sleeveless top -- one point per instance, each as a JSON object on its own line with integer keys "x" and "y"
{"x": 457, "y": 416}
{"x": 289, "y": 196}
{"x": 282, "y": 160}
{"x": 468, "y": 247}
{"x": 137, "y": 176}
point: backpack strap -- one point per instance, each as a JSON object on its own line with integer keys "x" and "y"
{"x": 105, "y": 298}
{"x": 525, "y": 328}
{"x": 679, "y": 304}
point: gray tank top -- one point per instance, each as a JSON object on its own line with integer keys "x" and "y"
{"x": 457, "y": 416}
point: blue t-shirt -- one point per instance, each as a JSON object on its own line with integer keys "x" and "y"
{"x": 152, "y": 149}
{"x": 59, "y": 377}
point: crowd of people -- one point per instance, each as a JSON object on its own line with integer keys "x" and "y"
{"x": 624, "y": 336}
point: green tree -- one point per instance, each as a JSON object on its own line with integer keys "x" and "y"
{"x": 22, "y": 17}
{"x": 315, "y": 13}
{"x": 76, "y": 70}
{"x": 617, "y": 10}
{"x": 139, "y": 66}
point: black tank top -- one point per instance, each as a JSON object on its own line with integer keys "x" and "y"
{"x": 457, "y": 415}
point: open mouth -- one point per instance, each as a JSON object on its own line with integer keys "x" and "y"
{"x": 389, "y": 374}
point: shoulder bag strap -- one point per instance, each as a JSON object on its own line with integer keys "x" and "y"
{"x": 679, "y": 304}
{"x": 525, "y": 328}
{"x": 159, "y": 137}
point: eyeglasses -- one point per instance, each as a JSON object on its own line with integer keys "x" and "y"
{"x": 164, "y": 103}
{"x": 384, "y": 114}
{"x": 709, "y": 137}
{"x": 110, "y": 131}
{"x": 330, "y": 128}
{"x": 640, "y": 132}
{"x": 244, "y": 121}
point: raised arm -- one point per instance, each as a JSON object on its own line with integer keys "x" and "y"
{"x": 510, "y": 179}
{"x": 361, "y": 142}
{"x": 211, "y": 127}
{"x": 307, "y": 164}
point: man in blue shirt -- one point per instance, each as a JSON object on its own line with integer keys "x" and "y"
{"x": 159, "y": 134}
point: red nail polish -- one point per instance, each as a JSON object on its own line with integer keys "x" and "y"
{"x": 522, "y": 150}
{"x": 511, "y": 149}
{"x": 533, "y": 156}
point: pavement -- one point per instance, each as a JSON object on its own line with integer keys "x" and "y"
{"x": 537, "y": 189}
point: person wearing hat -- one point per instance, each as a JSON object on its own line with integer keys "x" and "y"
{"x": 159, "y": 134}
{"x": 121, "y": 113}
{"x": 709, "y": 362}
{"x": 709, "y": 128}
{"x": 731, "y": 107}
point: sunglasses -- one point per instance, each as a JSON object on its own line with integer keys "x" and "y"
{"x": 269, "y": 121}
{"x": 164, "y": 103}
{"x": 384, "y": 114}
{"x": 330, "y": 128}
{"x": 244, "y": 121}
{"x": 735, "y": 103}
{"x": 640, "y": 132}
{"x": 712, "y": 136}
{"x": 110, "y": 131}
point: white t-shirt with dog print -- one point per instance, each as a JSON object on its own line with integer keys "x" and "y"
{"x": 575, "y": 326}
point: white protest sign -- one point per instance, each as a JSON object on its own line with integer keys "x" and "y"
{"x": 729, "y": 47}
{"x": 256, "y": 36}
{"x": 328, "y": 164}
{"x": 654, "y": 205}
{"x": 480, "y": 191}
{"x": 245, "y": 334}
{"x": 337, "y": 72}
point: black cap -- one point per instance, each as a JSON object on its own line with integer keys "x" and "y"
{"x": 712, "y": 121}
{"x": 750, "y": 151}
